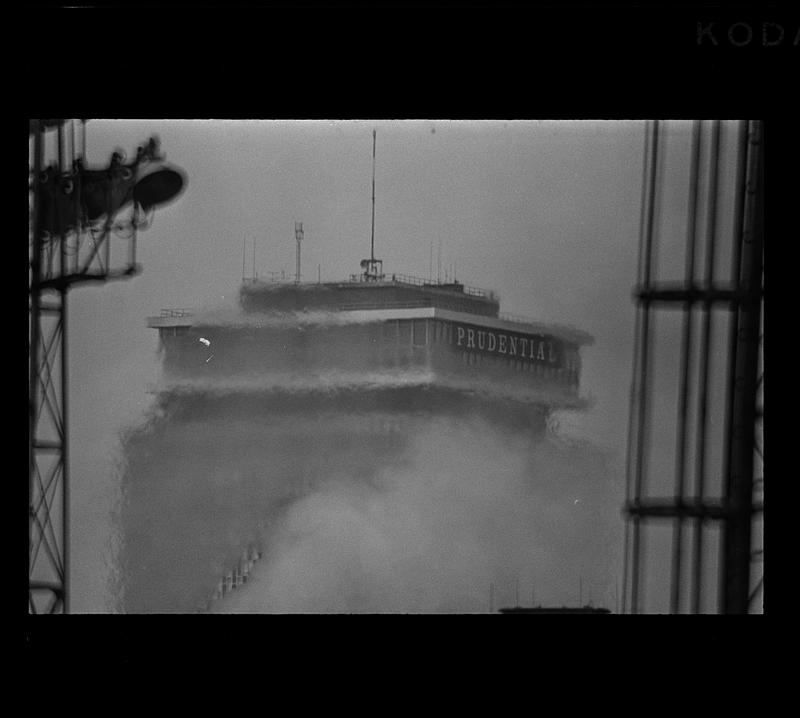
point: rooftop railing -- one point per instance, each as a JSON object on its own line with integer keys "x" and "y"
{"x": 433, "y": 284}
{"x": 415, "y": 304}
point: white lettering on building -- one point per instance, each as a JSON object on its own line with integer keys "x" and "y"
{"x": 529, "y": 347}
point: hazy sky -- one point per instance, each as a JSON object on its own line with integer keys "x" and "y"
{"x": 544, "y": 213}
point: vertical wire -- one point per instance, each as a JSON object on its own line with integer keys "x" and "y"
{"x": 705, "y": 343}
{"x": 642, "y": 436}
{"x": 686, "y": 345}
{"x": 64, "y": 392}
{"x": 634, "y": 389}
{"x": 65, "y": 446}
{"x": 738, "y": 497}
{"x": 644, "y": 414}
{"x": 743, "y": 153}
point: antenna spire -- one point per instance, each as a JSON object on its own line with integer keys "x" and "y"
{"x": 373, "y": 268}
{"x": 372, "y": 240}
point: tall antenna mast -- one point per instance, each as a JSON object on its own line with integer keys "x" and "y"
{"x": 254, "y": 259}
{"x": 373, "y": 268}
{"x": 244, "y": 244}
{"x": 372, "y": 241}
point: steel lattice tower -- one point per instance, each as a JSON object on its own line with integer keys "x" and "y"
{"x": 74, "y": 213}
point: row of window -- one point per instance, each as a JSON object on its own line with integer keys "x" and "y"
{"x": 418, "y": 333}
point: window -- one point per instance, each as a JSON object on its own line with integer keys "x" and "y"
{"x": 420, "y": 332}
{"x": 404, "y": 333}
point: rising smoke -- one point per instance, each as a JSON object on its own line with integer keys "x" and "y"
{"x": 386, "y": 510}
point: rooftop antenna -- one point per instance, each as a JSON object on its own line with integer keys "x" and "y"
{"x": 244, "y": 244}
{"x": 372, "y": 239}
{"x": 373, "y": 268}
{"x": 298, "y": 234}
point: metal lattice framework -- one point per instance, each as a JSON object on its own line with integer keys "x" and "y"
{"x": 729, "y": 515}
{"x": 76, "y": 213}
